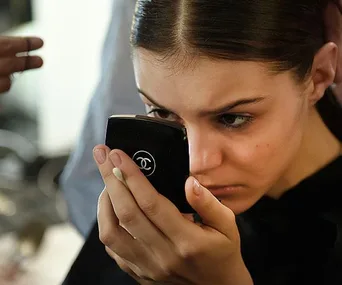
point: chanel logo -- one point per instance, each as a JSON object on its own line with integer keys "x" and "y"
{"x": 145, "y": 161}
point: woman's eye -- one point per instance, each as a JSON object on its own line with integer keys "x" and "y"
{"x": 234, "y": 121}
{"x": 161, "y": 114}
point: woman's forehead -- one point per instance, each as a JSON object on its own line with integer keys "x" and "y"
{"x": 206, "y": 82}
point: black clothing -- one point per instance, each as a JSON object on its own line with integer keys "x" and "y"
{"x": 293, "y": 240}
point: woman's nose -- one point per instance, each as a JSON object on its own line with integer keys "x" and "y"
{"x": 205, "y": 152}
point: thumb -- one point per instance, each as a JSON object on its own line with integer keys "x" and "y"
{"x": 213, "y": 213}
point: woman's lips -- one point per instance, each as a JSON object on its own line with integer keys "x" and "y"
{"x": 224, "y": 190}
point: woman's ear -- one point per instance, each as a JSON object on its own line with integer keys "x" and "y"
{"x": 323, "y": 71}
{"x": 333, "y": 31}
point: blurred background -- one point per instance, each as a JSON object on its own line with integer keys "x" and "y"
{"x": 40, "y": 119}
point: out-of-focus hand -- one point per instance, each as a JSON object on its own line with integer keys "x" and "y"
{"x": 14, "y": 57}
{"x": 333, "y": 33}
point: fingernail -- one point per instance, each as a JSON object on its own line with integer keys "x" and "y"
{"x": 100, "y": 155}
{"x": 115, "y": 158}
{"x": 197, "y": 188}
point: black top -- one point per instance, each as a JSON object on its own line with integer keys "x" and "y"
{"x": 294, "y": 240}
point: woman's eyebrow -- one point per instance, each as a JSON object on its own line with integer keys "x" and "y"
{"x": 232, "y": 105}
{"x": 151, "y": 100}
{"x": 220, "y": 110}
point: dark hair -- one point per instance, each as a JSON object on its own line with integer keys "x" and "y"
{"x": 285, "y": 33}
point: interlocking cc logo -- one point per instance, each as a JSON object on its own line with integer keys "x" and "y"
{"x": 145, "y": 161}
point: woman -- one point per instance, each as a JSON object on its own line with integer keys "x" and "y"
{"x": 250, "y": 80}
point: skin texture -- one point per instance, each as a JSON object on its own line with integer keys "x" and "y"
{"x": 283, "y": 142}
{"x": 261, "y": 150}
{"x": 11, "y": 63}
{"x": 132, "y": 224}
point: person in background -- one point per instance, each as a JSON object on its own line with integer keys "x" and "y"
{"x": 11, "y": 63}
{"x": 116, "y": 94}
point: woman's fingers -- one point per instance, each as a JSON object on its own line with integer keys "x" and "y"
{"x": 10, "y": 65}
{"x": 127, "y": 266}
{"x": 111, "y": 233}
{"x": 211, "y": 211}
{"x": 106, "y": 215}
{"x": 156, "y": 207}
{"x": 10, "y": 46}
{"x": 125, "y": 207}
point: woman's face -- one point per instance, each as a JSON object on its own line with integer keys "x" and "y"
{"x": 244, "y": 124}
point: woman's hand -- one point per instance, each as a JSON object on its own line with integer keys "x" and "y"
{"x": 333, "y": 33}
{"x": 11, "y": 61}
{"x": 150, "y": 239}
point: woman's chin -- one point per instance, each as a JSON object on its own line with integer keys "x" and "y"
{"x": 238, "y": 205}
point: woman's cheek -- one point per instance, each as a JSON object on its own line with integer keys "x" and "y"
{"x": 260, "y": 162}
